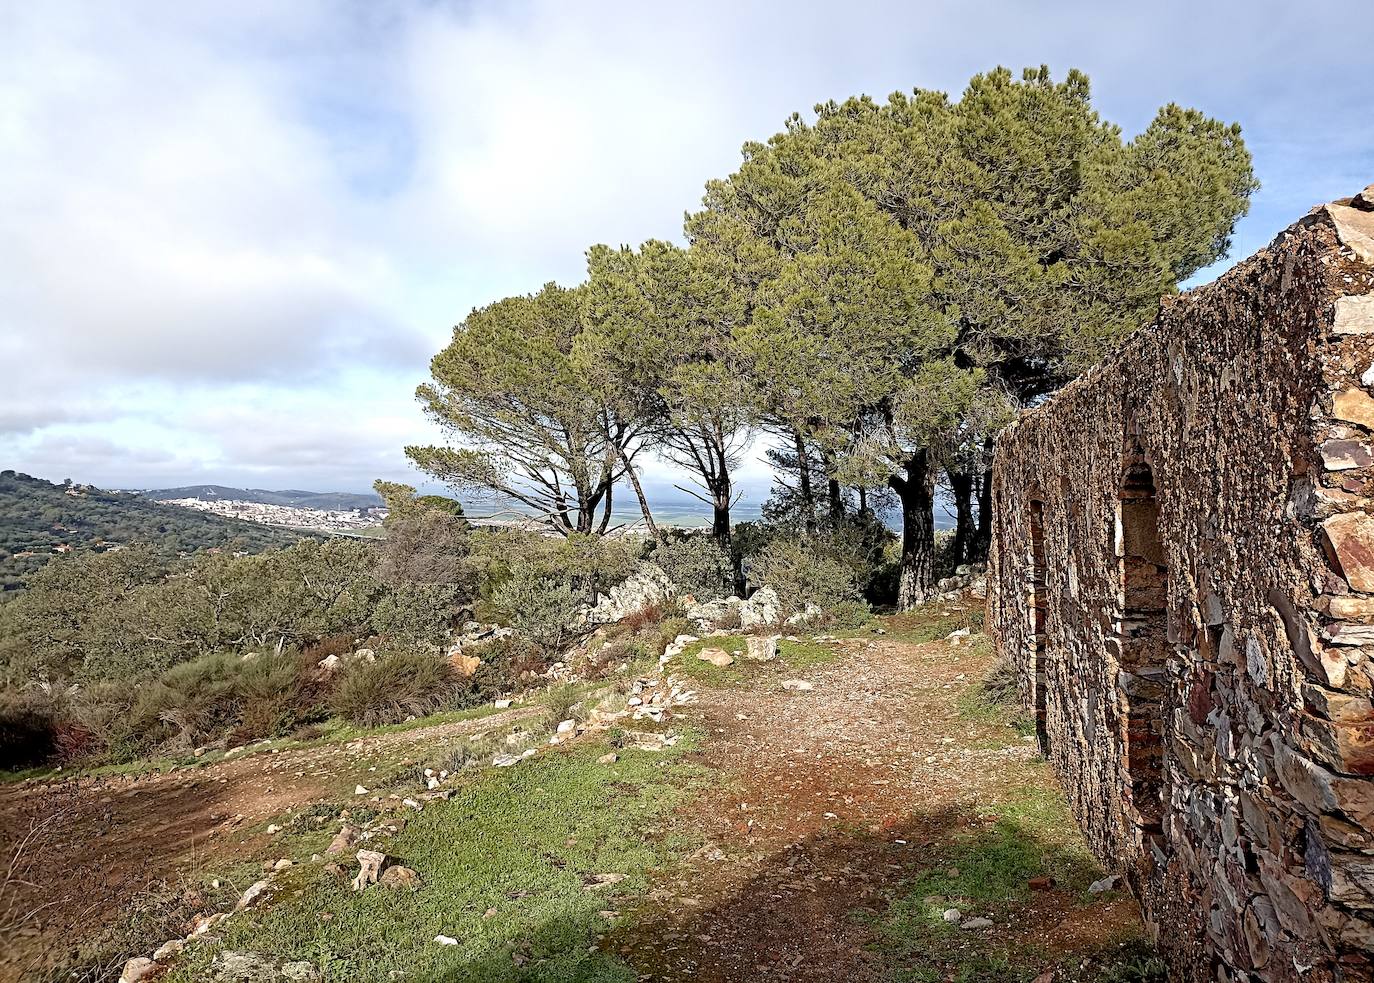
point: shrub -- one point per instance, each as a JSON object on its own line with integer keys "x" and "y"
{"x": 503, "y": 663}
{"x": 228, "y": 699}
{"x": 397, "y": 686}
{"x": 539, "y": 607}
{"x": 804, "y": 575}
{"x": 697, "y": 565}
{"x": 848, "y": 615}
{"x": 30, "y": 721}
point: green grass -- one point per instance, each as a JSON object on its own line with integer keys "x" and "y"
{"x": 793, "y": 657}
{"x": 524, "y": 841}
{"x": 927, "y": 623}
{"x": 985, "y": 870}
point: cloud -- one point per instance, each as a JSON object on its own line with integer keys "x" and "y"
{"x": 232, "y": 235}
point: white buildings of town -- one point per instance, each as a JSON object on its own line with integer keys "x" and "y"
{"x": 329, "y": 520}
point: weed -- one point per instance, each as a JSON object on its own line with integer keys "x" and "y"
{"x": 522, "y": 843}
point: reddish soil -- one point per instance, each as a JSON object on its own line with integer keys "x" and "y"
{"x": 830, "y": 801}
{"x": 79, "y": 851}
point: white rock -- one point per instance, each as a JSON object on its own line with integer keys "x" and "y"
{"x": 445, "y": 940}
{"x": 329, "y": 663}
{"x": 505, "y": 760}
{"x": 952, "y": 915}
{"x": 171, "y": 947}
{"x": 717, "y": 657}
{"x": 797, "y": 685}
{"x": 360, "y": 790}
{"x": 1108, "y": 883}
{"x": 567, "y": 726}
{"x": 252, "y": 894}
{"x": 274, "y": 828}
{"x": 502, "y": 704}
{"x": 136, "y": 969}
{"x": 676, "y": 646}
{"x": 761, "y": 648}
{"x": 976, "y": 923}
{"x": 761, "y": 609}
{"x": 647, "y": 585}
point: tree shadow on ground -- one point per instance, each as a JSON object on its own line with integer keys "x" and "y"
{"x": 860, "y": 905}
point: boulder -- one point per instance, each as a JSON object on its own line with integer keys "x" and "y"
{"x": 343, "y": 840}
{"x": 250, "y": 896}
{"x": 243, "y": 967}
{"x": 168, "y": 949}
{"x": 647, "y": 585}
{"x": 138, "y": 968}
{"x": 761, "y": 648}
{"x": 371, "y": 863}
{"x": 717, "y": 657}
{"x": 763, "y": 608}
{"x": 399, "y": 878}
{"x": 707, "y": 613}
{"x": 677, "y": 645}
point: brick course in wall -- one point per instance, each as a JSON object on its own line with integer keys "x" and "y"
{"x": 1182, "y": 572}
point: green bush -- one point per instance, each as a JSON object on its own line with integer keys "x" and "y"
{"x": 697, "y": 565}
{"x": 504, "y": 661}
{"x": 589, "y": 565}
{"x": 538, "y": 606}
{"x": 397, "y": 686}
{"x": 803, "y": 574}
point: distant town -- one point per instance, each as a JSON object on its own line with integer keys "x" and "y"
{"x": 360, "y": 521}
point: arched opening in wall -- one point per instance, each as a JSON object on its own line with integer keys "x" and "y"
{"x": 1035, "y": 605}
{"x": 1143, "y": 639}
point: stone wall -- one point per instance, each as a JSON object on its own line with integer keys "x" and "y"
{"x": 1183, "y": 573}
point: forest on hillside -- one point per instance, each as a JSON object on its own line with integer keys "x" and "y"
{"x": 40, "y": 519}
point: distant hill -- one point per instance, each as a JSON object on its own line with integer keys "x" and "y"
{"x": 40, "y": 520}
{"x": 290, "y": 496}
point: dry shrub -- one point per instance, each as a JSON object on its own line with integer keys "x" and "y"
{"x": 397, "y": 686}
{"x": 649, "y": 616}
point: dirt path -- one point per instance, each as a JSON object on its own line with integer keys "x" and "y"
{"x": 831, "y": 801}
{"x": 80, "y": 850}
{"x": 824, "y": 808}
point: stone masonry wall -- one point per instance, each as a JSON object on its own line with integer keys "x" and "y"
{"x": 1182, "y": 572}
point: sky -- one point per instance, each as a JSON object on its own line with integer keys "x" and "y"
{"x": 233, "y": 234}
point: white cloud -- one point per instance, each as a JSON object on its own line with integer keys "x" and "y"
{"x": 232, "y": 234}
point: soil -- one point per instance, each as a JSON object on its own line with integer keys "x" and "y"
{"x": 823, "y": 806}
{"x": 80, "y": 851}
{"x": 830, "y": 801}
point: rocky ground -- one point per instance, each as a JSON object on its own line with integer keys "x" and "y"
{"x": 832, "y": 802}
{"x": 877, "y": 823}
{"x": 78, "y": 852}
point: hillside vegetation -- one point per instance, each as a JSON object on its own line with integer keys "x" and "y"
{"x": 40, "y": 519}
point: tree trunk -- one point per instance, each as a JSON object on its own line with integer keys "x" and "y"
{"x": 916, "y": 491}
{"x": 863, "y": 501}
{"x": 982, "y": 540}
{"x": 961, "y": 484}
{"x": 835, "y": 500}
{"x": 720, "y": 531}
{"x": 808, "y": 496}
{"x": 649, "y": 523}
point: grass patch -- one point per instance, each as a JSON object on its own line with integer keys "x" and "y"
{"x": 927, "y": 623}
{"x": 985, "y": 871}
{"x": 995, "y": 700}
{"x": 524, "y": 843}
{"x": 793, "y": 657}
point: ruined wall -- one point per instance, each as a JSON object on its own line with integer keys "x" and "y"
{"x": 1183, "y": 573}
